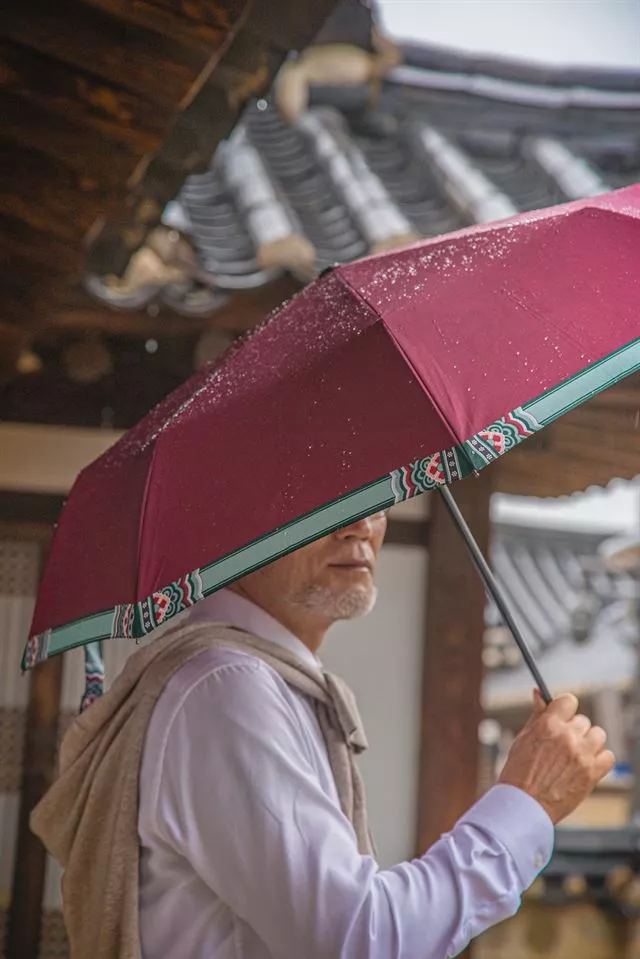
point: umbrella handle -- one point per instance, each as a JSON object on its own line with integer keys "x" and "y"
{"x": 494, "y": 589}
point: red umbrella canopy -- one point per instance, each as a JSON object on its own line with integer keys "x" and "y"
{"x": 384, "y": 378}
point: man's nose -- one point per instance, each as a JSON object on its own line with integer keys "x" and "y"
{"x": 364, "y": 528}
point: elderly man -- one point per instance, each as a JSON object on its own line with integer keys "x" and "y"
{"x": 250, "y": 814}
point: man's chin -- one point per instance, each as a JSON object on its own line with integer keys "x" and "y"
{"x": 358, "y": 603}
{"x": 334, "y": 604}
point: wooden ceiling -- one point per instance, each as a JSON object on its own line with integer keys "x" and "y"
{"x": 106, "y": 107}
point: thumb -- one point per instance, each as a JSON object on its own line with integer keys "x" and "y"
{"x": 565, "y": 706}
{"x": 539, "y": 704}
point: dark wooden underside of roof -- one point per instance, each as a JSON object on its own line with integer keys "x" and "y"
{"x": 106, "y": 107}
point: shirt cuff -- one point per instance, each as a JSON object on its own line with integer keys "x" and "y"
{"x": 519, "y": 822}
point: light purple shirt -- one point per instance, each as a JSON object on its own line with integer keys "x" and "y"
{"x": 245, "y": 853}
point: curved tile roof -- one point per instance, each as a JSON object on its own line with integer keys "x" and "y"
{"x": 425, "y": 56}
{"x": 456, "y": 139}
{"x": 576, "y": 616}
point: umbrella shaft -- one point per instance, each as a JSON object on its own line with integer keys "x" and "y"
{"x": 493, "y": 588}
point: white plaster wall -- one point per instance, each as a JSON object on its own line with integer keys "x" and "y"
{"x": 47, "y": 459}
{"x": 380, "y": 656}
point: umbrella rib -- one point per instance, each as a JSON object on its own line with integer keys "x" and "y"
{"x": 458, "y": 441}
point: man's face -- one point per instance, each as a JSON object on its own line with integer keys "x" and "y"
{"x": 332, "y": 578}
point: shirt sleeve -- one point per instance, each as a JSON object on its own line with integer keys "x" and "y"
{"x": 238, "y": 797}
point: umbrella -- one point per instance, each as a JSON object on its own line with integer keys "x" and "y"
{"x": 385, "y": 378}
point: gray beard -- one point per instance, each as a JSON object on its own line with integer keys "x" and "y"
{"x": 333, "y": 604}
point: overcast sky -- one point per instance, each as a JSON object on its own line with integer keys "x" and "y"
{"x": 583, "y": 32}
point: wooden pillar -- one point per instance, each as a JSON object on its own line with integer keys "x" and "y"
{"x": 452, "y": 665}
{"x": 451, "y": 710}
{"x": 38, "y": 768}
{"x": 25, "y": 912}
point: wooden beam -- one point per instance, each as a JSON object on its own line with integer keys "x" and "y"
{"x": 587, "y": 447}
{"x": 89, "y": 152}
{"x": 602, "y": 420}
{"x": 38, "y": 252}
{"x": 141, "y": 60}
{"x": 82, "y": 98}
{"x": 89, "y": 91}
{"x": 556, "y": 474}
{"x": 67, "y": 209}
{"x": 24, "y": 281}
{"x": 403, "y": 532}
{"x": 256, "y": 45}
{"x": 202, "y": 24}
{"x": 451, "y": 710}
{"x": 584, "y": 443}
{"x": 243, "y": 311}
{"x": 17, "y": 507}
{"x": 623, "y": 396}
{"x": 108, "y": 107}
{"x": 38, "y": 771}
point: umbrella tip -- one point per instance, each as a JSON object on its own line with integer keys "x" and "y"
{"x": 328, "y": 269}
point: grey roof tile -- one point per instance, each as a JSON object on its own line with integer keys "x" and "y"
{"x": 464, "y": 139}
{"x": 479, "y": 198}
{"x": 518, "y": 91}
{"x": 451, "y": 60}
{"x": 576, "y": 616}
{"x": 311, "y": 190}
{"x": 574, "y": 175}
{"x": 517, "y": 174}
{"x": 412, "y": 184}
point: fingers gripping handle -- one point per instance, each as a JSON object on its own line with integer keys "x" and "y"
{"x": 494, "y": 589}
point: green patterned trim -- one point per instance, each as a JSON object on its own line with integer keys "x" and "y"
{"x": 136, "y": 620}
{"x": 582, "y": 387}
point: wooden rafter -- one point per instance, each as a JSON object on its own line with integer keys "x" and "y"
{"x": 106, "y": 108}
{"x": 240, "y": 313}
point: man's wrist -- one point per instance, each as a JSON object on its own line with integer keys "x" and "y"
{"x": 522, "y": 788}
{"x": 520, "y": 823}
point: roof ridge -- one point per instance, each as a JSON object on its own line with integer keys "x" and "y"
{"x": 455, "y": 60}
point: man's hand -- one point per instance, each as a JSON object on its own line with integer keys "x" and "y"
{"x": 559, "y": 757}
